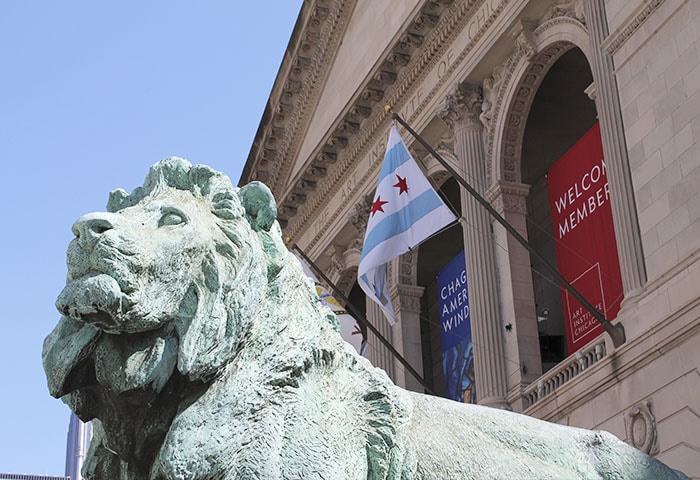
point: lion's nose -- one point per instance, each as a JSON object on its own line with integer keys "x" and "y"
{"x": 88, "y": 229}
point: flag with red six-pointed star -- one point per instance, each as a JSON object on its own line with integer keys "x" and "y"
{"x": 406, "y": 210}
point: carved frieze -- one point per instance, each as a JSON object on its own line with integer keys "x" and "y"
{"x": 301, "y": 64}
{"x": 336, "y": 144}
{"x": 398, "y": 59}
{"x": 384, "y": 77}
{"x": 337, "y": 263}
{"x": 490, "y": 88}
{"x": 523, "y": 39}
{"x": 296, "y": 198}
{"x": 292, "y": 87}
{"x": 318, "y": 15}
{"x": 410, "y": 41}
{"x": 287, "y": 210}
{"x": 310, "y": 53}
{"x": 425, "y": 21}
{"x": 570, "y": 9}
{"x": 305, "y": 185}
{"x": 360, "y": 111}
{"x": 408, "y": 268}
{"x": 360, "y": 215}
{"x": 326, "y": 157}
{"x": 348, "y": 128}
{"x": 372, "y": 94}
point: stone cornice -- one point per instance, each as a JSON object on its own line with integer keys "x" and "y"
{"x": 618, "y": 38}
{"x": 451, "y": 23}
{"x": 313, "y": 44}
{"x": 366, "y": 108}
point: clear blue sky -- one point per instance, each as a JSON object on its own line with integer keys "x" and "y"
{"x": 91, "y": 95}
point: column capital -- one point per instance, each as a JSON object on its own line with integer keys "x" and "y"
{"x": 592, "y": 92}
{"x": 508, "y": 197}
{"x": 462, "y": 107}
{"x": 408, "y": 297}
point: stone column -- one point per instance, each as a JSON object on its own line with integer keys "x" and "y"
{"x": 461, "y": 113}
{"x": 518, "y": 310}
{"x": 629, "y": 243}
{"x": 406, "y": 295}
{"x": 408, "y": 311}
{"x": 404, "y": 336}
{"x": 378, "y": 354}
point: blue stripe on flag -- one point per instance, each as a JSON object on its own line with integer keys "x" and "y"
{"x": 394, "y": 158}
{"x": 364, "y": 279}
{"x": 402, "y": 220}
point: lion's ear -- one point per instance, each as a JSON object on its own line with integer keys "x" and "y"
{"x": 259, "y": 204}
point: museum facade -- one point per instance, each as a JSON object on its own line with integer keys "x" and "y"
{"x": 507, "y": 92}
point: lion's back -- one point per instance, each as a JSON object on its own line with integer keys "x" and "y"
{"x": 455, "y": 440}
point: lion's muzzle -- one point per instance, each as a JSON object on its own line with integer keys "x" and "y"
{"x": 91, "y": 294}
{"x": 95, "y": 299}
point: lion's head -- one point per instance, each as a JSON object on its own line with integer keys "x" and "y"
{"x": 178, "y": 262}
{"x": 182, "y": 302}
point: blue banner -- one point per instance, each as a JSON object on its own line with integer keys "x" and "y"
{"x": 455, "y": 331}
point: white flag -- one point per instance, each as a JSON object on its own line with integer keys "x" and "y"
{"x": 406, "y": 210}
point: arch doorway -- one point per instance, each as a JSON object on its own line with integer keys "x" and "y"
{"x": 561, "y": 113}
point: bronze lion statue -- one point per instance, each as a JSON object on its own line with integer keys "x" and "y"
{"x": 198, "y": 348}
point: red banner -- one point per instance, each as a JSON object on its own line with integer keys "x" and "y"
{"x": 585, "y": 246}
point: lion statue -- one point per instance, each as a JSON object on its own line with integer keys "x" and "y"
{"x": 193, "y": 341}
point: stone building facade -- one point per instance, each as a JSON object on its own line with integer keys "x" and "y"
{"x": 501, "y": 89}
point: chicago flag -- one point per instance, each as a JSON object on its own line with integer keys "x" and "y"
{"x": 406, "y": 210}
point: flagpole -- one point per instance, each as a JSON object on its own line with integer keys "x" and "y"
{"x": 616, "y": 332}
{"x": 359, "y": 316}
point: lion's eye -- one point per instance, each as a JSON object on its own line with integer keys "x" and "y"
{"x": 171, "y": 217}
